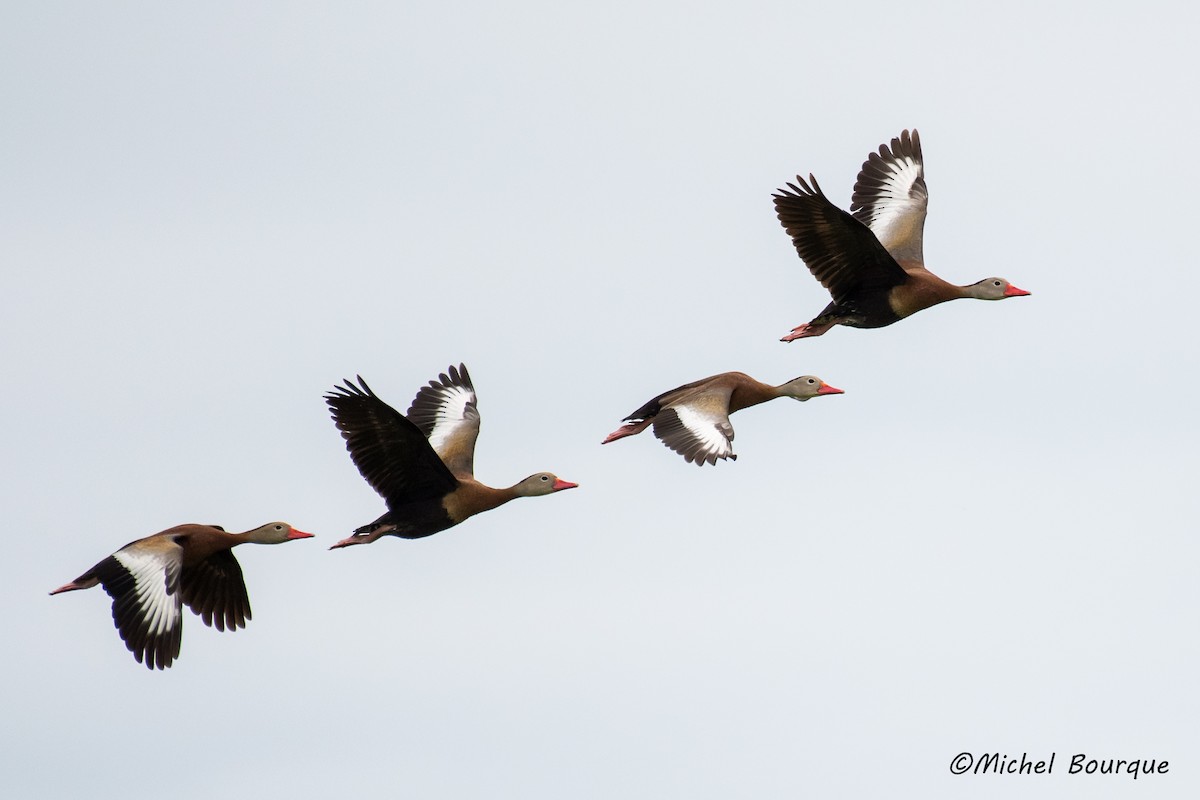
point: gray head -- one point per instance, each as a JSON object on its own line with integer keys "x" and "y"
{"x": 994, "y": 289}
{"x": 807, "y": 386}
{"x": 275, "y": 533}
{"x": 542, "y": 483}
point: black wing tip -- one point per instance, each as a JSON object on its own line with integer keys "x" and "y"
{"x": 876, "y": 171}
{"x": 430, "y": 398}
{"x": 701, "y": 457}
{"x": 155, "y": 652}
{"x": 908, "y": 143}
{"x": 801, "y": 191}
{"x": 466, "y": 376}
{"x": 348, "y": 389}
{"x": 156, "y": 660}
{"x": 454, "y": 376}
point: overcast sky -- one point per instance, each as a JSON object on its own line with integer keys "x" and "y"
{"x": 210, "y": 214}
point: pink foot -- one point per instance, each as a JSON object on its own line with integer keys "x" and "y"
{"x": 348, "y": 541}
{"x": 628, "y": 429}
{"x": 804, "y": 331}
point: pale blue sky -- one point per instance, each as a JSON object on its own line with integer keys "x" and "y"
{"x": 212, "y": 214}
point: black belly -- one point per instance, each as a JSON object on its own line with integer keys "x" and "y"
{"x": 872, "y": 311}
{"x": 412, "y": 520}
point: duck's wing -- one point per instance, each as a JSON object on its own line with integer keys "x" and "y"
{"x": 391, "y": 453}
{"x": 651, "y": 407}
{"x": 447, "y": 412}
{"x": 143, "y": 580}
{"x": 890, "y": 198}
{"x": 215, "y": 589}
{"x": 838, "y": 250}
{"x": 698, "y": 428}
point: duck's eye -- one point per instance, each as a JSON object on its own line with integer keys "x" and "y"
{"x": 810, "y": 380}
{"x": 278, "y": 527}
{"x": 996, "y": 283}
{"x": 545, "y": 477}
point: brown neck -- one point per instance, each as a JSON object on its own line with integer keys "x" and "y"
{"x": 924, "y": 289}
{"x": 751, "y": 393}
{"x": 494, "y": 498}
{"x": 241, "y": 538}
{"x": 473, "y": 497}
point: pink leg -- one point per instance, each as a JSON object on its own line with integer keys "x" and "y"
{"x": 364, "y": 538}
{"x": 806, "y": 330}
{"x": 348, "y": 541}
{"x": 628, "y": 429}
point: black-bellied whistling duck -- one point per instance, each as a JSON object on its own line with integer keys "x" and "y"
{"x": 872, "y": 261}
{"x": 693, "y": 420}
{"x": 422, "y": 465}
{"x": 149, "y": 581}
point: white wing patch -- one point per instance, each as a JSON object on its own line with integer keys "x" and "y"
{"x": 447, "y": 413}
{"x": 454, "y": 406}
{"x": 894, "y": 203}
{"x": 701, "y": 435}
{"x": 156, "y": 584}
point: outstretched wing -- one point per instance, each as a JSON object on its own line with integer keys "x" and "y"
{"x": 391, "y": 453}
{"x": 447, "y": 413}
{"x": 890, "y": 198}
{"x": 699, "y": 430}
{"x": 143, "y": 580}
{"x": 839, "y": 251}
{"x": 215, "y": 589}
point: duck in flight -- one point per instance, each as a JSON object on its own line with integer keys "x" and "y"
{"x": 150, "y": 581}
{"x": 871, "y": 259}
{"x": 693, "y": 419}
{"x": 422, "y": 463}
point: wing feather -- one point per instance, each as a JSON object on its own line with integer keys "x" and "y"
{"x": 447, "y": 412}
{"x": 143, "y": 580}
{"x": 699, "y": 430}
{"x": 840, "y": 251}
{"x": 391, "y": 453}
{"x": 215, "y": 590}
{"x": 890, "y": 197}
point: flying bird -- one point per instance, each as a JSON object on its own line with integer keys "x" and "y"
{"x": 871, "y": 261}
{"x": 693, "y": 419}
{"x": 422, "y": 464}
{"x": 149, "y": 581}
